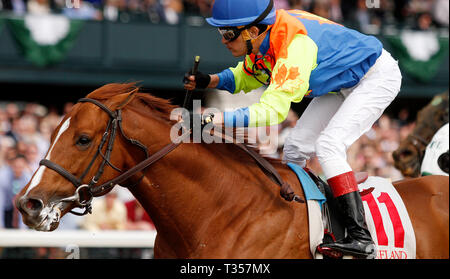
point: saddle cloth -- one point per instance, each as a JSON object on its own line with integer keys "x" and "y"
{"x": 386, "y": 216}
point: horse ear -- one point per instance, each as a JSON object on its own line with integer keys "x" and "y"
{"x": 124, "y": 99}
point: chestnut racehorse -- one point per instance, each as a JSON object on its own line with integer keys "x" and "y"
{"x": 206, "y": 200}
{"x": 409, "y": 155}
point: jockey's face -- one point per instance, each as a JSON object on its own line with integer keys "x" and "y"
{"x": 237, "y": 47}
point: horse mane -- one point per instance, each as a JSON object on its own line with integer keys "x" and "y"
{"x": 151, "y": 105}
{"x": 162, "y": 107}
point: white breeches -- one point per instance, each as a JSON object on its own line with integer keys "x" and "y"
{"x": 333, "y": 122}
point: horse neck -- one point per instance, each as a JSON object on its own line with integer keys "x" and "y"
{"x": 188, "y": 189}
{"x": 204, "y": 200}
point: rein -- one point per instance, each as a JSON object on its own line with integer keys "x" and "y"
{"x": 85, "y": 192}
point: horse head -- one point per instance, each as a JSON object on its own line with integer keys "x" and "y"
{"x": 409, "y": 154}
{"x": 80, "y": 156}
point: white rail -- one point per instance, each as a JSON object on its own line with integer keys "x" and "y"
{"x": 81, "y": 238}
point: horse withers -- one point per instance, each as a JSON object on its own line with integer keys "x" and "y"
{"x": 206, "y": 200}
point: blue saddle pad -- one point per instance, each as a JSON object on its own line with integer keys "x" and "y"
{"x": 310, "y": 188}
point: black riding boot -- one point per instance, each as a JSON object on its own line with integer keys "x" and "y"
{"x": 358, "y": 241}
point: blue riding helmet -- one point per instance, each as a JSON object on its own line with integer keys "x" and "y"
{"x": 227, "y": 13}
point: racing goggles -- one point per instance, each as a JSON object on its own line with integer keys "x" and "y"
{"x": 230, "y": 33}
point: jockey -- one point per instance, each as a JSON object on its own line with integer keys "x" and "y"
{"x": 296, "y": 54}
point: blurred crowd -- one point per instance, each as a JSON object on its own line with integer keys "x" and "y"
{"x": 25, "y": 128}
{"x": 25, "y": 131}
{"x": 371, "y": 153}
{"x": 24, "y": 138}
{"x": 368, "y": 15}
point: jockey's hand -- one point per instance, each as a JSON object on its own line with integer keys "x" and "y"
{"x": 202, "y": 119}
{"x": 207, "y": 118}
{"x": 199, "y": 81}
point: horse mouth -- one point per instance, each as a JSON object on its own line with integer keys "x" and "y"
{"x": 50, "y": 219}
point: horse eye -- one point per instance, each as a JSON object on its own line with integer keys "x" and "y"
{"x": 83, "y": 141}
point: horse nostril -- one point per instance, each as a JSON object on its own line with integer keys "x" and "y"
{"x": 31, "y": 205}
{"x": 34, "y": 205}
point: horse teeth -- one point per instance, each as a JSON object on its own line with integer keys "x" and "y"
{"x": 57, "y": 214}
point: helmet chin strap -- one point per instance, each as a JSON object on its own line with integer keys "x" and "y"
{"x": 248, "y": 41}
{"x": 249, "y": 47}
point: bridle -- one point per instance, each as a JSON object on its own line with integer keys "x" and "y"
{"x": 84, "y": 193}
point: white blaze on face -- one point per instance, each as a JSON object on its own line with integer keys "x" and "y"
{"x": 38, "y": 175}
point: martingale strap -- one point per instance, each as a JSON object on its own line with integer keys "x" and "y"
{"x": 286, "y": 191}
